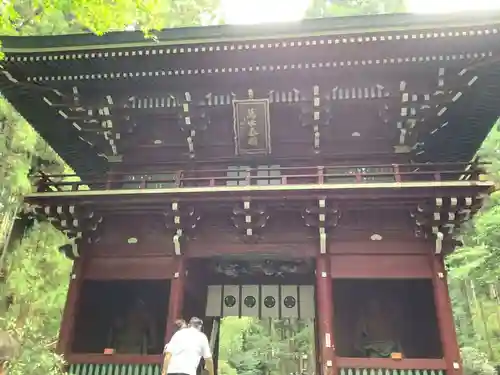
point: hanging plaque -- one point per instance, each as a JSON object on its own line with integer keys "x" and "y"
{"x": 251, "y": 126}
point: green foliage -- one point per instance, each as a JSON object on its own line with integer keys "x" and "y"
{"x": 36, "y": 274}
{"x": 250, "y": 346}
{"x": 479, "y": 257}
{"x": 475, "y": 275}
{"x": 36, "y": 282}
{"x": 36, "y": 17}
{"x": 476, "y": 363}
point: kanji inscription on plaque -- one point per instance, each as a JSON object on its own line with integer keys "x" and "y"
{"x": 251, "y": 126}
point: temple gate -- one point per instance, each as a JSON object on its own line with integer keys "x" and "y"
{"x": 319, "y": 170}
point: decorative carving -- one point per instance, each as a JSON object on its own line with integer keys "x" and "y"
{"x": 250, "y": 301}
{"x": 322, "y": 218}
{"x": 248, "y": 219}
{"x": 289, "y": 302}
{"x": 315, "y": 116}
{"x": 266, "y": 267}
{"x": 230, "y": 301}
{"x": 180, "y": 220}
{"x": 440, "y": 218}
{"x": 261, "y": 301}
{"x": 79, "y": 224}
{"x": 269, "y": 302}
{"x": 192, "y": 121}
{"x": 252, "y": 128}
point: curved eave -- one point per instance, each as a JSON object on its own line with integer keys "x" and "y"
{"x": 475, "y": 118}
{"x": 78, "y": 154}
{"x": 224, "y": 33}
{"x": 38, "y": 64}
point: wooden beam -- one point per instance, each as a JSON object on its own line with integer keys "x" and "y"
{"x": 66, "y": 334}
{"x": 210, "y": 190}
{"x": 175, "y": 305}
{"x": 444, "y": 314}
{"x": 324, "y": 305}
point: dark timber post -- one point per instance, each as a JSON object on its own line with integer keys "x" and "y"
{"x": 66, "y": 334}
{"x": 175, "y": 305}
{"x": 444, "y": 314}
{"x": 324, "y": 306}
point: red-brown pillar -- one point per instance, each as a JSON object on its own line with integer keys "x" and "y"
{"x": 444, "y": 312}
{"x": 175, "y": 305}
{"x": 324, "y": 307}
{"x": 66, "y": 333}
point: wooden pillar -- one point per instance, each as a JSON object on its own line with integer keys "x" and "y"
{"x": 324, "y": 308}
{"x": 175, "y": 305}
{"x": 67, "y": 330}
{"x": 444, "y": 313}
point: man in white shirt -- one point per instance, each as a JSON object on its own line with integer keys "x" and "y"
{"x": 185, "y": 350}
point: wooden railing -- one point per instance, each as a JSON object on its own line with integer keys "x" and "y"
{"x": 387, "y": 371}
{"x": 265, "y": 175}
{"x": 388, "y": 366}
{"x": 155, "y": 369}
{"x": 114, "y": 369}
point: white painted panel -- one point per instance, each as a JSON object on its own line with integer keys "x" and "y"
{"x": 232, "y": 172}
{"x": 262, "y": 171}
{"x": 271, "y": 293}
{"x": 214, "y": 300}
{"x": 249, "y": 296}
{"x": 289, "y": 301}
{"x": 275, "y": 173}
{"x": 231, "y": 301}
{"x": 243, "y": 174}
{"x": 307, "y": 307}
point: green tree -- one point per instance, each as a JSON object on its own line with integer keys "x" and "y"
{"x": 271, "y": 346}
{"x": 475, "y": 275}
{"x": 34, "y": 275}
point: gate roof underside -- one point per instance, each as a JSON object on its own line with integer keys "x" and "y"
{"x": 425, "y": 85}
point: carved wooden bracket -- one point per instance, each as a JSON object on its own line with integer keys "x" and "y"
{"x": 249, "y": 218}
{"x": 192, "y": 120}
{"x": 441, "y": 218}
{"x": 322, "y": 218}
{"x": 316, "y": 115}
{"x": 180, "y": 220}
{"x": 80, "y": 224}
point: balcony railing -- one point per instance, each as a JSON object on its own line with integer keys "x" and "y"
{"x": 436, "y": 367}
{"x": 262, "y": 175}
{"x": 114, "y": 369}
{"x": 389, "y": 371}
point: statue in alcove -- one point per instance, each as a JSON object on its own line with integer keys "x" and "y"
{"x": 134, "y": 334}
{"x": 376, "y": 331}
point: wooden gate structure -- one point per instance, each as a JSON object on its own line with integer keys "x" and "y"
{"x": 317, "y": 169}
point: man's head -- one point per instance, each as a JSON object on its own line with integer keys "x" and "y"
{"x": 180, "y": 323}
{"x": 196, "y": 323}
